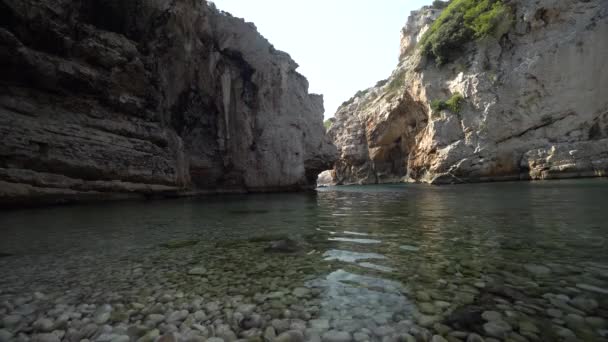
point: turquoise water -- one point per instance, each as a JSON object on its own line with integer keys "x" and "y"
{"x": 510, "y": 261}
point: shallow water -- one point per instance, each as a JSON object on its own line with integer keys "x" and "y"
{"x": 511, "y": 261}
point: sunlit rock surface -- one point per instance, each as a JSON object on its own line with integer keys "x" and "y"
{"x": 535, "y": 105}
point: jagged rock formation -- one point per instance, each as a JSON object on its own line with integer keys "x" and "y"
{"x": 114, "y": 98}
{"x": 535, "y": 104}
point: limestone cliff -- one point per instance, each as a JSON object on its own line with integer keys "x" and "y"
{"x": 104, "y": 99}
{"x": 534, "y": 104}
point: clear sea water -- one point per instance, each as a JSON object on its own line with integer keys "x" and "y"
{"x": 373, "y": 256}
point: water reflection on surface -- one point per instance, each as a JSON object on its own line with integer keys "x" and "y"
{"x": 379, "y": 260}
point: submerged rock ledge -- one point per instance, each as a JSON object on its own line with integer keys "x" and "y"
{"x": 115, "y": 99}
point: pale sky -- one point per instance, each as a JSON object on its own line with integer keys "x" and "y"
{"x": 342, "y": 46}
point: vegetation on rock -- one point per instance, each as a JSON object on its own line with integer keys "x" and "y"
{"x": 453, "y": 104}
{"x": 360, "y": 93}
{"x": 397, "y": 82}
{"x": 440, "y": 4}
{"x": 381, "y": 83}
{"x": 464, "y": 21}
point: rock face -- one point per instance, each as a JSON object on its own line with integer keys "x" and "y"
{"x": 326, "y": 178}
{"x": 114, "y": 98}
{"x": 535, "y": 104}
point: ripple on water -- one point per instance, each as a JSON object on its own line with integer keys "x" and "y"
{"x": 376, "y": 267}
{"x": 409, "y": 248}
{"x": 362, "y": 241}
{"x": 354, "y": 233}
{"x": 350, "y": 256}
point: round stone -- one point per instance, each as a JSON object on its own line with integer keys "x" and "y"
{"x": 252, "y": 321}
{"x": 475, "y": 338}
{"x": 319, "y": 324}
{"x": 48, "y": 337}
{"x": 427, "y": 321}
{"x": 538, "y": 270}
{"x": 280, "y": 325}
{"x": 103, "y": 314}
{"x": 200, "y": 316}
{"x": 597, "y": 322}
{"x": 312, "y": 335}
{"x": 26, "y": 309}
{"x": 336, "y": 336}
{"x": 491, "y": 316}
{"x": 361, "y": 337}
{"x": 151, "y": 335}
{"x": 383, "y": 331}
{"x": 515, "y": 337}
{"x": 554, "y": 313}
{"x": 566, "y": 334}
{"x": 44, "y": 325}
{"x": 40, "y": 296}
{"x": 421, "y": 334}
{"x": 459, "y": 334}
{"x": 423, "y": 296}
{"x": 441, "y": 304}
{"x": 224, "y": 331}
{"x": 197, "y": 271}
{"x": 574, "y": 321}
{"x": 438, "y": 338}
{"x": 427, "y": 308}
{"x": 301, "y": 292}
{"x": 270, "y": 334}
{"x": 497, "y": 328}
{"x": 11, "y": 320}
{"x": 155, "y": 318}
{"x": 528, "y": 326}
{"x": 584, "y": 303}
{"x": 442, "y": 329}
{"x": 212, "y": 307}
{"x": 246, "y": 309}
{"x": 165, "y": 298}
{"x": 177, "y": 316}
{"x": 203, "y": 330}
{"x": 290, "y": 336}
{"x": 5, "y": 335}
{"x": 297, "y": 324}
{"x": 406, "y": 337}
{"x": 122, "y": 338}
{"x": 215, "y": 339}
{"x": 464, "y": 297}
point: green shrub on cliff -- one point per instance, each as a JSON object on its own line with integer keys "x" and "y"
{"x": 397, "y": 82}
{"x": 453, "y": 104}
{"x": 440, "y": 4}
{"x": 360, "y": 93}
{"x": 463, "y": 21}
{"x": 437, "y": 105}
